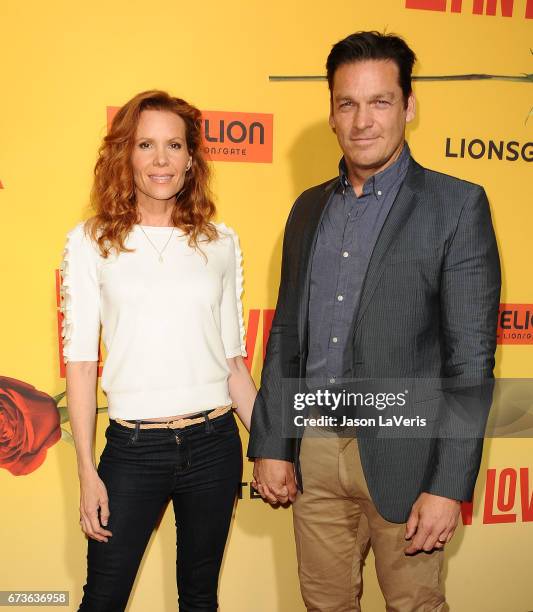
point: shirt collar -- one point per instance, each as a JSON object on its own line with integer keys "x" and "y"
{"x": 381, "y": 182}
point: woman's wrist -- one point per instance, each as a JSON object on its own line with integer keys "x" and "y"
{"x": 86, "y": 468}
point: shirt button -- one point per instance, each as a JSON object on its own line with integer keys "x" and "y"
{"x": 379, "y": 192}
{"x": 335, "y": 339}
{"x": 331, "y": 380}
{"x": 340, "y": 298}
{"x": 345, "y": 254}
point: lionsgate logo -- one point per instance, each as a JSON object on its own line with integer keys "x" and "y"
{"x": 235, "y": 136}
{"x": 477, "y": 148}
{"x": 515, "y": 324}
{"x": 232, "y": 136}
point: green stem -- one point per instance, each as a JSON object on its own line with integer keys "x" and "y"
{"x": 59, "y": 397}
{"x": 67, "y": 436}
{"x": 63, "y": 414}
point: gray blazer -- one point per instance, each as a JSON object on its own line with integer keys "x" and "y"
{"x": 428, "y": 310}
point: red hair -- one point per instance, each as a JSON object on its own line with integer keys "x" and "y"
{"x": 113, "y": 190}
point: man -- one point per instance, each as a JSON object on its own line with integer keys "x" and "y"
{"x": 389, "y": 270}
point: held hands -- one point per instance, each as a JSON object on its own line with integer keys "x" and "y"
{"x": 93, "y": 496}
{"x": 433, "y": 519}
{"x": 275, "y": 481}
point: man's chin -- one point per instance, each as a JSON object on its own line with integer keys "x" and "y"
{"x": 367, "y": 163}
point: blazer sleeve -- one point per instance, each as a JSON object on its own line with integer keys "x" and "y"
{"x": 80, "y": 298}
{"x": 469, "y": 300}
{"x": 266, "y": 437}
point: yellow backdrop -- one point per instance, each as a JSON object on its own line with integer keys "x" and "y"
{"x": 63, "y": 65}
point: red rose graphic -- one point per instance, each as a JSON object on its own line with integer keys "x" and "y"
{"x": 29, "y": 425}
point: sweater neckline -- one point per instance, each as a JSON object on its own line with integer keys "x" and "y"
{"x": 158, "y": 228}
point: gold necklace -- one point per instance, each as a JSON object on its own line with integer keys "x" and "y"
{"x": 159, "y": 252}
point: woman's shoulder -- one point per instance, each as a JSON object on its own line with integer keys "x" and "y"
{"x": 76, "y": 231}
{"x": 227, "y": 233}
{"x": 81, "y": 229}
{"x": 228, "y": 236}
{"x": 79, "y": 238}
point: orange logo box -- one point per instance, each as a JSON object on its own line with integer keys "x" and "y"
{"x": 233, "y": 136}
{"x": 241, "y": 137}
{"x": 515, "y": 324}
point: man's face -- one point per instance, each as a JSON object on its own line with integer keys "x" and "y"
{"x": 368, "y": 114}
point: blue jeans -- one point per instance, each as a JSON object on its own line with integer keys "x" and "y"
{"x": 199, "y": 468}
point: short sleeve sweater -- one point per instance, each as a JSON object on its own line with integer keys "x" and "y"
{"x": 167, "y": 326}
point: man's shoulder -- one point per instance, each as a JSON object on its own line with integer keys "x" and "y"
{"x": 443, "y": 183}
{"x": 308, "y": 200}
{"x": 316, "y": 191}
{"x": 432, "y": 180}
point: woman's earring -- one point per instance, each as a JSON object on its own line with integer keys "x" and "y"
{"x": 189, "y": 164}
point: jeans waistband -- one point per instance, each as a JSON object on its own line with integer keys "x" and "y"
{"x": 205, "y": 417}
{"x": 190, "y": 416}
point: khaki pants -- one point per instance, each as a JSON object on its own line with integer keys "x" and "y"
{"x": 335, "y": 521}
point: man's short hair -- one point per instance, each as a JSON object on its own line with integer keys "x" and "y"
{"x": 373, "y": 45}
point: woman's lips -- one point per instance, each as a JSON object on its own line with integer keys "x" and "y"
{"x": 161, "y": 178}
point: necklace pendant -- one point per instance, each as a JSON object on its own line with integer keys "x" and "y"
{"x": 159, "y": 252}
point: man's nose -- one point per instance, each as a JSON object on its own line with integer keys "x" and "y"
{"x": 363, "y": 118}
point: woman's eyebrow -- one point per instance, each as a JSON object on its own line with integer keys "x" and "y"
{"x": 148, "y": 138}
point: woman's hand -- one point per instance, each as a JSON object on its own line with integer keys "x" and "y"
{"x": 81, "y": 402}
{"x": 93, "y": 497}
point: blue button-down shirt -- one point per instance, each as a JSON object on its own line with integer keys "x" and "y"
{"x": 348, "y": 232}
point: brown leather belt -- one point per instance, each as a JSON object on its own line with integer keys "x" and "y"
{"x": 178, "y": 423}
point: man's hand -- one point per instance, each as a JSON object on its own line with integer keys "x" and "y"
{"x": 433, "y": 519}
{"x": 275, "y": 481}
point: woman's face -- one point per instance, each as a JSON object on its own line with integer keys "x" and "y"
{"x": 160, "y": 156}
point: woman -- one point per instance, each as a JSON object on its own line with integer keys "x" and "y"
{"x": 164, "y": 282}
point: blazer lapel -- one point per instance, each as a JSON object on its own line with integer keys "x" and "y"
{"x": 399, "y": 213}
{"x": 317, "y": 206}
